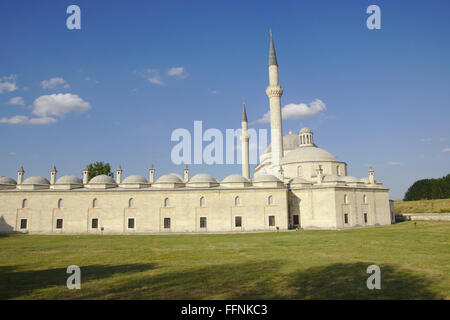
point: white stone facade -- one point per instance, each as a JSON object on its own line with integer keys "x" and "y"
{"x": 295, "y": 185}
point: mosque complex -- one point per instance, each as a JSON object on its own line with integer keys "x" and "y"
{"x": 295, "y": 185}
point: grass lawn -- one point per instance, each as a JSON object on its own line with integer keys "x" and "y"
{"x": 422, "y": 206}
{"x": 414, "y": 262}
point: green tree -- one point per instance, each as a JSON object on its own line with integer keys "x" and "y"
{"x": 99, "y": 167}
{"x": 429, "y": 189}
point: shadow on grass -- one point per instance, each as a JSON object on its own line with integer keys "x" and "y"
{"x": 18, "y": 283}
{"x": 265, "y": 281}
{"x": 348, "y": 281}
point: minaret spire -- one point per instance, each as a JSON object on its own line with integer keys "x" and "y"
{"x": 272, "y": 53}
{"x": 274, "y": 92}
{"x": 245, "y": 137}
{"x": 244, "y": 113}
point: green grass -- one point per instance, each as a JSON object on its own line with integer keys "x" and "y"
{"x": 414, "y": 264}
{"x": 422, "y": 206}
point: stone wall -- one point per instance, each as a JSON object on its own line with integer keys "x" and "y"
{"x": 423, "y": 216}
{"x": 149, "y": 211}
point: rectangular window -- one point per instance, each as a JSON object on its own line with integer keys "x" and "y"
{"x": 94, "y": 223}
{"x": 59, "y": 223}
{"x": 130, "y": 223}
{"x": 23, "y": 223}
{"x": 346, "y": 218}
{"x": 365, "y": 217}
{"x": 238, "y": 221}
{"x": 271, "y": 221}
{"x": 166, "y": 223}
{"x": 202, "y": 222}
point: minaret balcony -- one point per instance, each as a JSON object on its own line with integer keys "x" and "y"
{"x": 274, "y": 91}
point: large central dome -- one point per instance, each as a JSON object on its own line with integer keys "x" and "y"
{"x": 306, "y": 154}
{"x": 298, "y": 149}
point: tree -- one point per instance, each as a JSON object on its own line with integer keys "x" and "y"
{"x": 429, "y": 189}
{"x": 99, "y": 167}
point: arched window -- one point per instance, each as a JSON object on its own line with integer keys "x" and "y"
{"x": 299, "y": 171}
{"x": 237, "y": 201}
{"x": 95, "y": 203}
{"x": 345, "y": 198}
{"x": 60, "y": 203}
{"x": 25, "y": 203}
{"x": 338, "y": 170}
{"x": 202, "y": 202}
{"x": 364, "y": 199}
{"x": 131, "y": 203}
{"x": 270, "y": 200}
{"x": 166, "y": 202}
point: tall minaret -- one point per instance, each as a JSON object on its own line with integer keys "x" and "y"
{"x": 274, "y": 91}
{"x": 244, "y": 145}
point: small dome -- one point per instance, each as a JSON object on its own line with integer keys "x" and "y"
{"x": 36, "y": 180}
{"x": 7, "y": 180}
{"x": 169, "y": 178}
{"x": 349, "y": 179}
{"x": 177, "y": 175}
{"x": 306, "y": 154}
{"x": 265, "y": 178}
{"x": 102, "y": 179}
{"x": 69, "y": 179}
{"x": 235, "y": 178}
{"x": 135, "y": 179}
{"x": 332, "y": 178}
{"x": 202, "y": 178}
{"x": 305, "y": 130}
{"x": 299, "y": 180}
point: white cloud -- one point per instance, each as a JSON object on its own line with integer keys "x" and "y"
{"x": 48, "y": 108}
{"x": 26, "y": 120}
{"x": 58, "y": 105}
{"x": 8, "y": 83}
{"x": 178, "y": 72}
{"x": 151, "y": 75}
{"x": 7, "y": 86}
{"x": 297, "y": 111}
{"x": 426, "y": 139}
{"x": 446, "y": 150}
{"x": 54, "y": 82}
{"x": 443, "y": 139}
{"x": 12, "y": 154}
{"x": 16, "y": 100}
{"x": 394, "y": 163}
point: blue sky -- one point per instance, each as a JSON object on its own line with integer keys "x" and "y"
{"x": 386, "y": 91}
